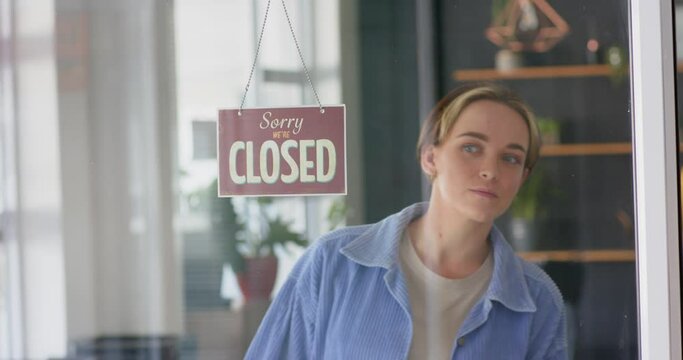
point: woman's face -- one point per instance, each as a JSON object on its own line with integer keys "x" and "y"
{"x": 479, "y": 166}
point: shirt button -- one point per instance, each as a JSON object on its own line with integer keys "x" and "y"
{"x": 461, "y": 341}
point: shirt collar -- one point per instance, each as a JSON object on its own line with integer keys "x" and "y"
{"x": 378, "y": 247}
{"x": 508, "y": 283}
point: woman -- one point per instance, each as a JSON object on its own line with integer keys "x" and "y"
{"x": 436, "y": 280}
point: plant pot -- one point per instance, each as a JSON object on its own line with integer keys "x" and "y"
{"x": 522, "y": 234}
{"x": 508, "y": 60}
{"x": 258, "y": 279}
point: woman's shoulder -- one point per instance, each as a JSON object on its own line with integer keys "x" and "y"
{"x": 343, "y": 234}
{"x": 327, "y": 248}
{"x": 360, "y": 245}
{"x": 541, "y": 285}
{"x": 525, "y": 278}
{"x": 331, "y": 242}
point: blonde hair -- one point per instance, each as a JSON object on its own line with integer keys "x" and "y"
{"x": 447, "y": 111}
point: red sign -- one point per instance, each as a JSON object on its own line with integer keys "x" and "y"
{"x": 282, "y": 151}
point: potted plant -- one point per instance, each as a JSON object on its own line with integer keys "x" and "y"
{"x": 525, "y": 208}
{"x": 249, "y": 243}
{"x": 550, "y": 130}
{"x": 249, "y": 238}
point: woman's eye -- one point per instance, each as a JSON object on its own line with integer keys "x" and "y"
{"x": 469, "y": 148}
{"x": 512, "y": 159}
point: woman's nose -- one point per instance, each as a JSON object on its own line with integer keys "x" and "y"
{"x": 489, "y": 170}
{"x": 487, "y": 174}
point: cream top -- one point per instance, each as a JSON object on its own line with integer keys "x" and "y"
{"x": 439, "y": 305}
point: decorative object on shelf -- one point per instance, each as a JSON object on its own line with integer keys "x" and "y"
{"x": 526, "y": 203}
{"x": 522, "y": 234}
{"x": 527, "y": 210}
{"x": 592, "y": 42}
{"x": 617, "y": 60}
{"x": 508, "y": 60}
{"x": 592, "y": 51}
{"x": 523, "y": 211}
{"x": 550, "y": 130}
{"x": 526, "y": 25}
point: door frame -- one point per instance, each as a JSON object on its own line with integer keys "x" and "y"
{"x": 656, "y": 178}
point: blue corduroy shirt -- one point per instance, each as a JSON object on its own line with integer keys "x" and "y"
{"x": 347, "y": 299}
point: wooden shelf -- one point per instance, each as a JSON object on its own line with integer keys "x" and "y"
{"x": 586, "y": 149}
{"x": 536, "y": 72}
{"x": 622, "y": 148}
{"x": 579, "y": 256}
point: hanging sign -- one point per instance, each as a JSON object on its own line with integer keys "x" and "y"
{"x": 282, "y": 151}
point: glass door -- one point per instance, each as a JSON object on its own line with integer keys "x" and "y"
{"x": 134, "y": 254}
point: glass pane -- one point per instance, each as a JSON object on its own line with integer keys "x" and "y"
{"x": 230, "y": 270}
{"x": 574, "y": 216}
{"x": 150, "y": 263}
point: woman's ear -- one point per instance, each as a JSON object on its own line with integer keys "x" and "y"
{"x": 525, "y": 174}
{"x": 427, "y": 161}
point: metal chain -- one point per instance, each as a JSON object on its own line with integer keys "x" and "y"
{"x": 298, "y": 48}
{"x": 253, "y": 65}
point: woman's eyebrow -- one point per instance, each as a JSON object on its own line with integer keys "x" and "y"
{"x": 484, "y": 137}
{"x": 516, "y": 147}
{"x": 474, "y": 134}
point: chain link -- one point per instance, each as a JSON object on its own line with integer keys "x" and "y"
{"x": 298, "y": 49}
{"x": 253, "y": 65}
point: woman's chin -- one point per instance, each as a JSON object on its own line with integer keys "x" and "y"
{"x": 480, "y": 216}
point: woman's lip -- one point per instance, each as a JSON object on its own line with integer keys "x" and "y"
{"x": 485, "y": 193}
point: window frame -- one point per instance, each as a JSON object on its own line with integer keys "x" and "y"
{"x": 655, "y": 178}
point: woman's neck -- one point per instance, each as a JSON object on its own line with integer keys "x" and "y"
{"x": 448, "y": 244}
